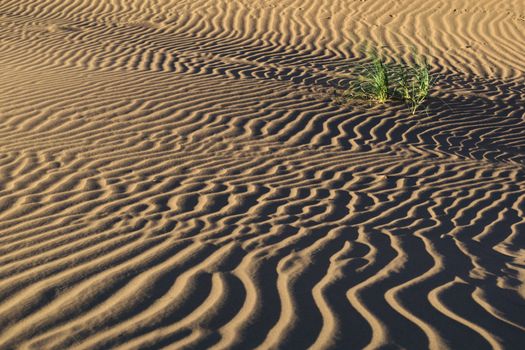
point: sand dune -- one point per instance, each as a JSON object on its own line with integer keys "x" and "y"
{"x": 175, "y": 174}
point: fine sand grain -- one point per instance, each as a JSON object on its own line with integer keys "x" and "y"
{"x": 176, "y": 174}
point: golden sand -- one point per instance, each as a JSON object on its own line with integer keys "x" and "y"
{"x": 175, "y": 174}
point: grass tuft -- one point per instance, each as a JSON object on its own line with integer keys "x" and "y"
{"x": 380, "y": 82}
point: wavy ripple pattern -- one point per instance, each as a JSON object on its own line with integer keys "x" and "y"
{"x": 173, "y": 174}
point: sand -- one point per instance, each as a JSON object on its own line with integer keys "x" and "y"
{"x": 177, "y": 174}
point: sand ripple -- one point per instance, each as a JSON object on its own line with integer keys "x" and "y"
{"x": 175, "y": 174}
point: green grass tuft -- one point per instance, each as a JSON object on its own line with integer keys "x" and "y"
{"x": 379, "y": 81}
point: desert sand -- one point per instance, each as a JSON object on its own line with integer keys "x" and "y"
{"x": 176, "y": 174}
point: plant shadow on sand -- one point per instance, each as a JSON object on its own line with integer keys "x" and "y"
{"x": 459, "y": 118}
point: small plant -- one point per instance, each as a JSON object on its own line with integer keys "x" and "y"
{"x": 372, "y": 82}
{"x": 414, "y": 84}
{"x": 379, "y": 82}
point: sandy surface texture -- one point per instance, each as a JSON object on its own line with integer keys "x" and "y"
{"x": 177, "y": 174}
